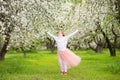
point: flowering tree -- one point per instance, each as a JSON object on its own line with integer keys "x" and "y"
{"x": 23, "y": 24}
{"x": 8, "y": 21}
{"x": 105, "y": 22}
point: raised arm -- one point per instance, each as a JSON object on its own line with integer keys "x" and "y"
{"x": 70, "y": 35}
{"x": 51, "y": 35}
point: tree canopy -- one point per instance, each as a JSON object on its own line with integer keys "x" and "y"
{"x": 24, "y": 23}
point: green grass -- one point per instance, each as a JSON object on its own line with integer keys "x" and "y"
{"x": 43, "y": 65}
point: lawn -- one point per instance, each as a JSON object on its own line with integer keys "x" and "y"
{"x": 43, "y": 65}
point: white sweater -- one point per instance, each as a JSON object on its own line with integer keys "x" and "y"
{"x": 62, "y": 41}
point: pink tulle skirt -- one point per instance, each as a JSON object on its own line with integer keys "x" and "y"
{"x": 69, "y": 57}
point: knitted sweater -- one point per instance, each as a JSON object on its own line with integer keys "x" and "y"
{"x": 62, "y": 41}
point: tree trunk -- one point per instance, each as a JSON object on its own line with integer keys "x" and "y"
{"x": 99, "y": 49}
{"x": 91, "y": 47}
{"x": 111, "y": 48}
{"x": 112, "y": 51}
{"x": 115, "y": 39}
{"x": 4, "y": 48}
{"x": 50, "y": 45}
{"x": 25, "y": 54}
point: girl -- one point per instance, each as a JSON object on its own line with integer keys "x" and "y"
{"x": 66, "y": 57}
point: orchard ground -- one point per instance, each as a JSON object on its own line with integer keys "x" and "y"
{"x": 43, "y": 65}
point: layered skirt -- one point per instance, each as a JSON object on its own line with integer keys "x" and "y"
{"x": 69, "y": 57}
